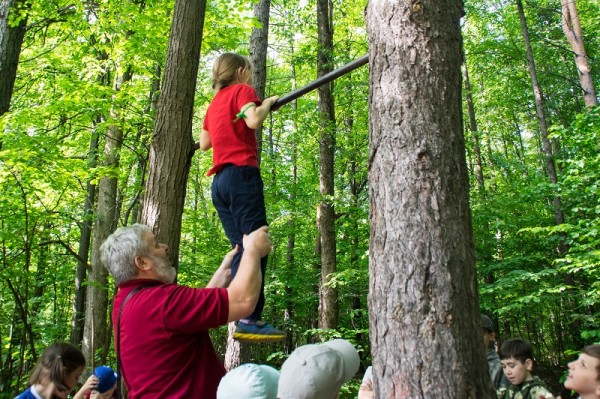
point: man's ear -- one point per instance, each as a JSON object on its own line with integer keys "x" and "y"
{"x": 141, "y": 262}
{"x": 493, "y": 335}
{"x": 529, "y": 364}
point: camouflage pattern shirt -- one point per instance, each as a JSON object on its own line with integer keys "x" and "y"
{"x": 531, "y": 389}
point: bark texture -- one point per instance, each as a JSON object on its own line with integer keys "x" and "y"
{"x": 572, "y": 29}
{"x": 172, "y": 145}
{"x": 259, "y": 41}
{"x": 328, "y": 296}
{"x": 11, "y": 40}
{"x": 423, "y": 301}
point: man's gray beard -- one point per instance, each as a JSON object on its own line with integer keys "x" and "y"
{"x": 165, "y": 271}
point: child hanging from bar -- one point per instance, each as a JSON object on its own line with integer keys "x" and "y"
{"x": 237, "y": 189}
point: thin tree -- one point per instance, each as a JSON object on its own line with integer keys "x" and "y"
{"x": 237, "y": 352}
{"x": 328, "y": 296}
{"x": 572, "y": 29}
{"x": 96, "y": 334}
{"x": 423, "y": 299}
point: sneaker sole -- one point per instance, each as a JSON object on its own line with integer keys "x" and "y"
{"x": 245, "y": 337}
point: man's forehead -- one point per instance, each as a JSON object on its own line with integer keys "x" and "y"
{"x": 148, "y": 236}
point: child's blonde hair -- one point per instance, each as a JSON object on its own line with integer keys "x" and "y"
{"x": 225, "y": 69}
{"x": 56, "y": 363}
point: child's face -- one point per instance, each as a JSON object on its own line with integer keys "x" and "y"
{"x": 583, "y": 377}
{"x": 516, "y": 371}
{"x": 70, "y": 382}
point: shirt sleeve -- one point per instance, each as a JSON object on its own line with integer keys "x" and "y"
{"x": 245, "y": 95}
{"x": 189, "y": 310}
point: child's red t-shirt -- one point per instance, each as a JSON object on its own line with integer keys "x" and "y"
{"x": 232, "y": 142}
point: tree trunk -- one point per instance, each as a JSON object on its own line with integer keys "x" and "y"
{"x": 474, "y": 132}
{"x": 572, "y": 29}
{"x": 328, "y": 296}
{"x": 78, "y": 317}
{"x": 172, "y": 146}
{"x": 237, "y": 352}
{"x": 11, "y": 40}
{"x": 259, "y": 41}
{"x": 423, "y": 301}
{"x": 96, "y": 334}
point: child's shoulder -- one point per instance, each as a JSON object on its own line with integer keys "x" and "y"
{"x": 538, "y": 389}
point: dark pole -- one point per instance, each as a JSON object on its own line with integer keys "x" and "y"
{"x": 321, "y": 81}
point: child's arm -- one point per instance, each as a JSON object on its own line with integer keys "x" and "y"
{"x": 255, "y": 116}
{"x": 91, "y": 383}
{"x": 205, "y": 143}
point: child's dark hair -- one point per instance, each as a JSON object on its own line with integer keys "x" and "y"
{"x": 517, "y": 348}
{"x": 56, "y": 363}
{"x": 225, "y": 69}
{"x": 593, "y": 351}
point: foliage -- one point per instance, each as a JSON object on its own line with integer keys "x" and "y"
{"x": 65, "y": 96}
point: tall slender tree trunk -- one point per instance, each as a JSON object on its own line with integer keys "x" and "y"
{"x": 78, "y": 317}
{"x": 540, "y": 113}
{"x": 474, "y": 131}
{"x": 328, "y": 296}
{"x": 96, "y": 334}
{"x": 237, "y": 352}
{"x": 423, "y": 299}
{"x": 259, "y": 41}
{"x": 172, "y": 145}
{"x": 550, "y": 165}
{"x": 572, "y": 29}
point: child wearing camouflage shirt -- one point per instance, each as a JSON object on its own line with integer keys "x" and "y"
{"x": 517, "y": 362}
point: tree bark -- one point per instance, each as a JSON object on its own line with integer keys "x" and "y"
{"x": 474, "y": 132}
{"x": 172, "y": 146}
{"x": 78, "y": 317}
{"x": 572, "y": 29}
{"x": 259, "y": 41}
{"x": 423, "y": 301}
{"x": 328, "y": 296}
{"x": 96, "y": 334}
{"x": 11, "y": 41}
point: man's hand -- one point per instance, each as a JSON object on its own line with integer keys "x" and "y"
{"x": 244, "y": 290}
{"x": 258, "y": 242}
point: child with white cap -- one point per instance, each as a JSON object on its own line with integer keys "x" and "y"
{"x": 318, "y": 371}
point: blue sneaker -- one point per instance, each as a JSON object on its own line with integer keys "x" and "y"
{"x": 257, "y": 332}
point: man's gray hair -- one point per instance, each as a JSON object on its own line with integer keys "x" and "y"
{"x": 120, "y": 249}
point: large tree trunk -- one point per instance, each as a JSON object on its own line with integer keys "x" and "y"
{"x": 328, "y": 297}
{"x": 572, "y": 29}
{"x": 423, "y": 300}
{"x": 172, "y": 146}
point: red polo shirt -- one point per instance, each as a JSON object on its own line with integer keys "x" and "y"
{"x": 165, "y": 349}
{"x": 232, "y": 142}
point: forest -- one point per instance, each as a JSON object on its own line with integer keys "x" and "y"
{"x": 88, "y": 139}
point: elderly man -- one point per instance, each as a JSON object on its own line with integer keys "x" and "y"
{"x": 161, "y": 328}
